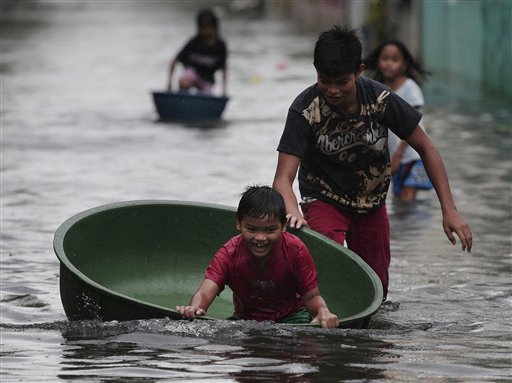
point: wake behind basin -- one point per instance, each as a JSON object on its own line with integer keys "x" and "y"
{"x": 139, "y": 259}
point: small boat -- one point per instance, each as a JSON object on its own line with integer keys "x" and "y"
{"x": 186, "y": 106}
{"x": 139, "y": 259}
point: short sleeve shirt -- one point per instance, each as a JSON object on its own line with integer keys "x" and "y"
{"x": 205, "y": 59}
{"x": 271, "y": 292}
{"x": 345, "y": 159}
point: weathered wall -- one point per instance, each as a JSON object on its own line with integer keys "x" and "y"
{"x": 471, "y": 40}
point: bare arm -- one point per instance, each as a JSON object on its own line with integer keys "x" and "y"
{"x": 397, "y": 156}
{"x": 286, "y": 171}
{"x": 452, "y": 221}
{"x": 316, "y": 305}
{"x": 201, "y": 300}
{"x": 171, "y": 73}
{"x": 225, "y": 81}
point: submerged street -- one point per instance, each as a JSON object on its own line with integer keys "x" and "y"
{"x": 79, "y": 130}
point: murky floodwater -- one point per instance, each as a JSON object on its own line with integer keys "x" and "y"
{"x": 79, "y": 130}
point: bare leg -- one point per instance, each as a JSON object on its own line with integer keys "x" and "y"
{"x": 408, "y": 194}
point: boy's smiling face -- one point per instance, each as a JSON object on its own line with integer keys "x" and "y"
{"x": 260, "y": 234}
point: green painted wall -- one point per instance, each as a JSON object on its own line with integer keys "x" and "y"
{"x": 471, "y": 39}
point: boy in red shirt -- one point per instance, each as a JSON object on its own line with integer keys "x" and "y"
{"x": 271, "y": 272}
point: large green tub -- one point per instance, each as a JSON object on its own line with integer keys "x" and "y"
{"x": 139, "y": 259}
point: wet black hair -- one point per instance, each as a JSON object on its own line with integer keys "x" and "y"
{"x": 206, "y": 16}
{"x": 413, "y": 68}
{"x": 261, "y": 201}
{"x": 338, "y": 51}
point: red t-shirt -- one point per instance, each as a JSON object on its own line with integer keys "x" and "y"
{"x": 271, "y": 292}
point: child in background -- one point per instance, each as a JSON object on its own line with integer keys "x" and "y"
{"x": 202, "y": 56}
{"x": 271, "y": 272}
{"x": 393, "y": 65}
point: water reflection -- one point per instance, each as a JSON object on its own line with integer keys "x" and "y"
{"x": 199, "y": 125}
{"x": 242, "y": 351}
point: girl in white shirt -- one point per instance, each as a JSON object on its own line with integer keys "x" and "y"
{"x": 394, "y": 66}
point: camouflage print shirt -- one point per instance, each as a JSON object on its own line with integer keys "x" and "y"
{"x": 345, "y": 159}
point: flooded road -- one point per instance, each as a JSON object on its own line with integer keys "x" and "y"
{"x": 79, "y": 130}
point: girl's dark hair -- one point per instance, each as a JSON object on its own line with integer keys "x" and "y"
{"x": 261, "y": 201}
{"x": 206, "y": 16}
{"x": 338, "y": 52}
{"x": 413, "y": 68}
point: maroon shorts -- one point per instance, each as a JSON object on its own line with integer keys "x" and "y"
{"x": 367, "y": 235}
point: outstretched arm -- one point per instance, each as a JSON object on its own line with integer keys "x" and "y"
{"x": 286, "y": 170}
{"x": 452, "y": 221}
{"x": 201, "y": 300}
{"x": 316, "y": 305}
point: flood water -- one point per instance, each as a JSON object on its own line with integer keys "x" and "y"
{"x": 79, "y": 130}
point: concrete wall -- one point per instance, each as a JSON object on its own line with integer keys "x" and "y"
{"x": 471, "y": 40}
